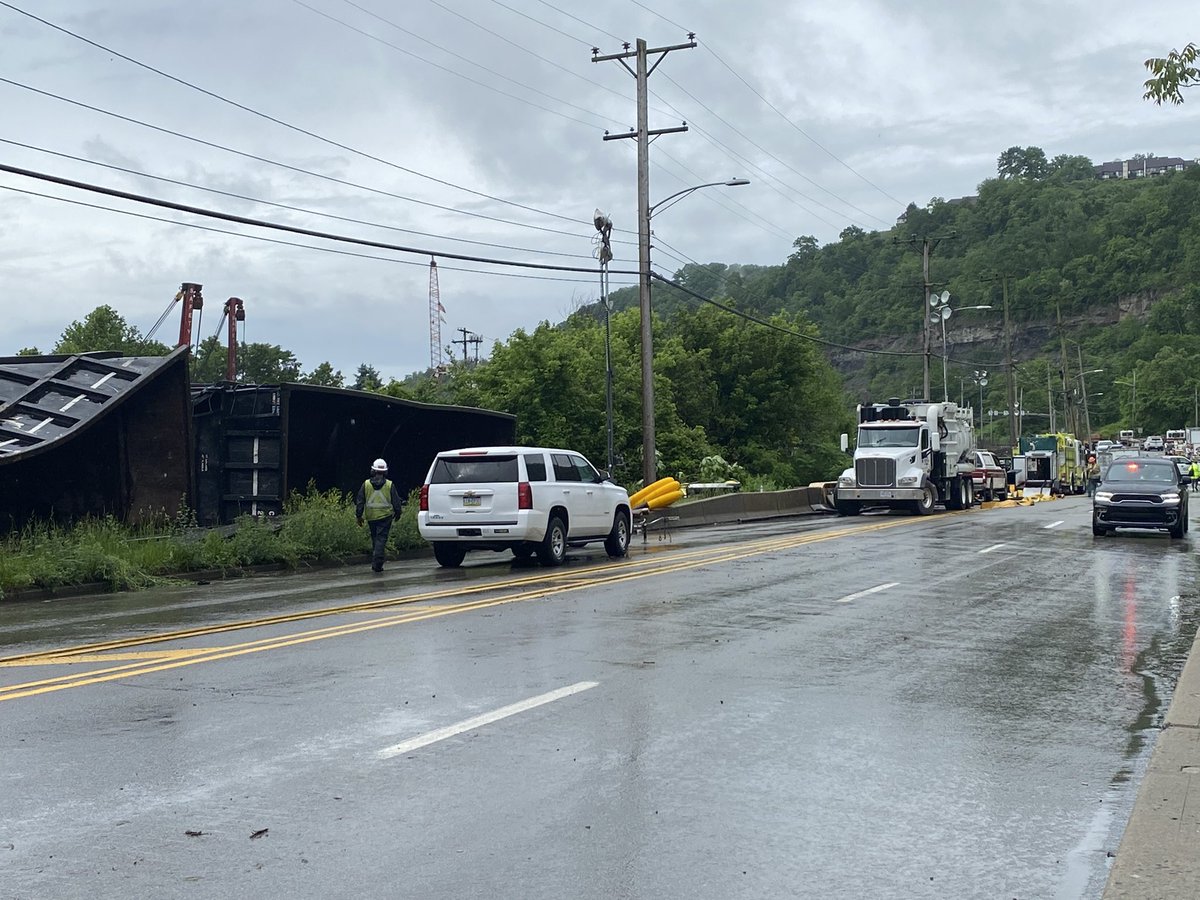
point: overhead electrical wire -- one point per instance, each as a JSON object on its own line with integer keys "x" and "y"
{"x": 334, "y": 250}
{"x": 817, "y": 143}
{"x": 580, "y": 21}
{"x": 767, "y": 324}
{"x": 291, "y": 229}
{"x": 300, "y": 209}
{"x": 304, "y": 131}
{"x": 287, "y": 166}
{"x": 543, "y": 24}
{"x": 458, "y": 56}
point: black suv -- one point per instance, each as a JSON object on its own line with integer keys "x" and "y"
{"x": 1141, "y": 492}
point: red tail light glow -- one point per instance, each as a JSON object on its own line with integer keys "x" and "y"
{"x": 424, "y": 498}
{"x": 524, "y": 495}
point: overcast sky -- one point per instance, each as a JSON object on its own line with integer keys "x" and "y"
{"x": 491, "y": 114}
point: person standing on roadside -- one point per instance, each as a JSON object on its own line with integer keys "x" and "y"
{"x": 1195, "y": 473}
{"x": 1093, "y": 475}
{"x": 378, "y": 503}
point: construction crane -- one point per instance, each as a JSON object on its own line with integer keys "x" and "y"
{"x": 235, "y": 312}
{"x": 193, "y": 300}
{"x": 437, "y": 359}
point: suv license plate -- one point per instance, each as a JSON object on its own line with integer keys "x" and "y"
{"x": 472, "y": 501}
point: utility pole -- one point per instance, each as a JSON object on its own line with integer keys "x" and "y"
{"x": 468, "y": 337}
{"x": 643, "y": 134}
{"x": 928, "y": 245}
{"x": 1068, "y": 411}
{"x": 1014, "y": 429}
{"x": 1087, "y": 416}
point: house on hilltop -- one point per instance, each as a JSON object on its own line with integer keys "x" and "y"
{"x": 1142, "y": 167}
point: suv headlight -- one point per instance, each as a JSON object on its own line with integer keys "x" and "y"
{"x": 908, "y": 480}
{"x": 845, "y": 481}
{"x": 1106, "y": 496}
{"x": 1171, "y": 499}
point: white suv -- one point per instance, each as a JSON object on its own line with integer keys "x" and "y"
{"x": 527, "y": 499}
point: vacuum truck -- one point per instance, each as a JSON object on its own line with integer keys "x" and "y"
{"x": 909, "y": 455}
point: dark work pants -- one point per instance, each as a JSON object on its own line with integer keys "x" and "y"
{"x": 380, "y": 529}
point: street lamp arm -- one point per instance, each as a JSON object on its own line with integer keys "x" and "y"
{"x": 678, "y": 195}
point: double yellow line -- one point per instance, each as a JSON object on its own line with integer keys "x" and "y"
{"x": 532, "y": 587}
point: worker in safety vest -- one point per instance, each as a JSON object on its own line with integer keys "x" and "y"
{"x": 378, "y": 503}
{"x": 1093, "y": 475}
{"x": 1195, "y": 473}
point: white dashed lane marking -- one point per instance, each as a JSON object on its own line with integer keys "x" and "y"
{"x": 874, "y": 590}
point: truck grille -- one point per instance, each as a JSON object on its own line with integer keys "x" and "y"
{"x": 875, "y": 472}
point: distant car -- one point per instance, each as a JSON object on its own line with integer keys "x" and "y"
{"x": 1153, "y": 442}
{"x": 1141, "y": 492}
{"x": 525, "y": 499}
{"x": 989, "y": 479}
{"x": 1107, "y": 445}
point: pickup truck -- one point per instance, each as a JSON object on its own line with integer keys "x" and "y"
{"x": 990, "y": 480}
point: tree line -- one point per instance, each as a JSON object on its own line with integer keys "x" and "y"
{"x": 1116, "y": 262}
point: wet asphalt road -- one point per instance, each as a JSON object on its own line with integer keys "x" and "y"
{"x": 887, "y": 706}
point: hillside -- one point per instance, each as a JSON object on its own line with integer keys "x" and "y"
{"x": 1119, "y": 260}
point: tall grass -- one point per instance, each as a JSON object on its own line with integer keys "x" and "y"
{"x": 316, "y": 527}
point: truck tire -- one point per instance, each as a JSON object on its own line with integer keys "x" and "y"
{"x": 955, "y": 494}
{"x": 924, "y": 506}
{"x": 848, "y": 507}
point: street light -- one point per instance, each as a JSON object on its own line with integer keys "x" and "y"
{"x": 939, "y": 313}
{"x": 649, "y": 464}
{"x": 981, "y": 379}
{"x": 1132, "y": 384}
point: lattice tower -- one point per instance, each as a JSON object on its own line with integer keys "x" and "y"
{"x": 437, "y": 357}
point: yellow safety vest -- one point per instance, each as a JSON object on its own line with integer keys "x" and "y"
{"x": 379, "y": 501}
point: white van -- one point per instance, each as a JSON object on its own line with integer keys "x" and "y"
{"x": 525, "y": 499}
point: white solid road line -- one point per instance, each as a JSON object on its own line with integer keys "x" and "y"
{"x": 874, "y": 590}
{"x": 1054, "y": 524}
{"x": 440, "y": 734}
{"x": 993, "y": 547}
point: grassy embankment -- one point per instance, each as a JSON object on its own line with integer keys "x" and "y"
{"x": 316, "y": 528}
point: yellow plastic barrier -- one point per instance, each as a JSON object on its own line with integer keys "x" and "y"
{"x": 668, "y": 488}
{"x": 659, "y": 501}
{"x": 637, "y": 498}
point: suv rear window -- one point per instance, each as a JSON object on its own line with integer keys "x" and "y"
{"x": 535, "y": 466}
{"x": 474, "y": 470}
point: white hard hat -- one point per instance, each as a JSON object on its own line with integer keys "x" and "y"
{"x": 379, "y": 466}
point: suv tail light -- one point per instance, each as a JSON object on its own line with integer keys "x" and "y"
{"x": 424, "y": 498}
{"x": 524, "y": 495}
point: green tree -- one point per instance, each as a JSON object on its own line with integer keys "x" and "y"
{"x": 209, "y": 361}
{"x": 367, "y": 378}
{"x": 29, "y": 351}
{"x": 1170, "y": 74}
{"x": 324, "y": 375}
{"x": 103, "y": 329}
{"x": 267, "y": 364}
{"x": 1011, "y": 163}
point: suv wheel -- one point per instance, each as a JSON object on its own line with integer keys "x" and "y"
{"x": 448, "y": 554}
{"x": 1176, "y": 530}
{"x": 553, "y": 548}
{"x": 617, "y": 542}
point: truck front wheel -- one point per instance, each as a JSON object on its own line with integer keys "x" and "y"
{"x": 924, "y": 506}
{"x": 848, "y": 507}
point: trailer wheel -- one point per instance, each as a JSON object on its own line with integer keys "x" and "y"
{"x": 924, "y": 506}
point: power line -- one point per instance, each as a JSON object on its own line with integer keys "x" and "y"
{"x": 786, "y": 165}
{"x": 767, "y": 324}
{"x": 830, "y": 153}
{"x": 300, "y": 209}
{"x": 291, "y": 229}
{"x": 581, "y": 22}
{"x": 305, "y": 131}
{"x": 543, "y": 24}
{"x": 449, "y": 52}
{"x": 660, "y": 15}
{"x": 258, "y": 237}
{"x": 287, "y": 166}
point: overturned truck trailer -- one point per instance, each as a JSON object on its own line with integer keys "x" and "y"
{"x": 256, "y": 444}
{"x": 93, "y": 434}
